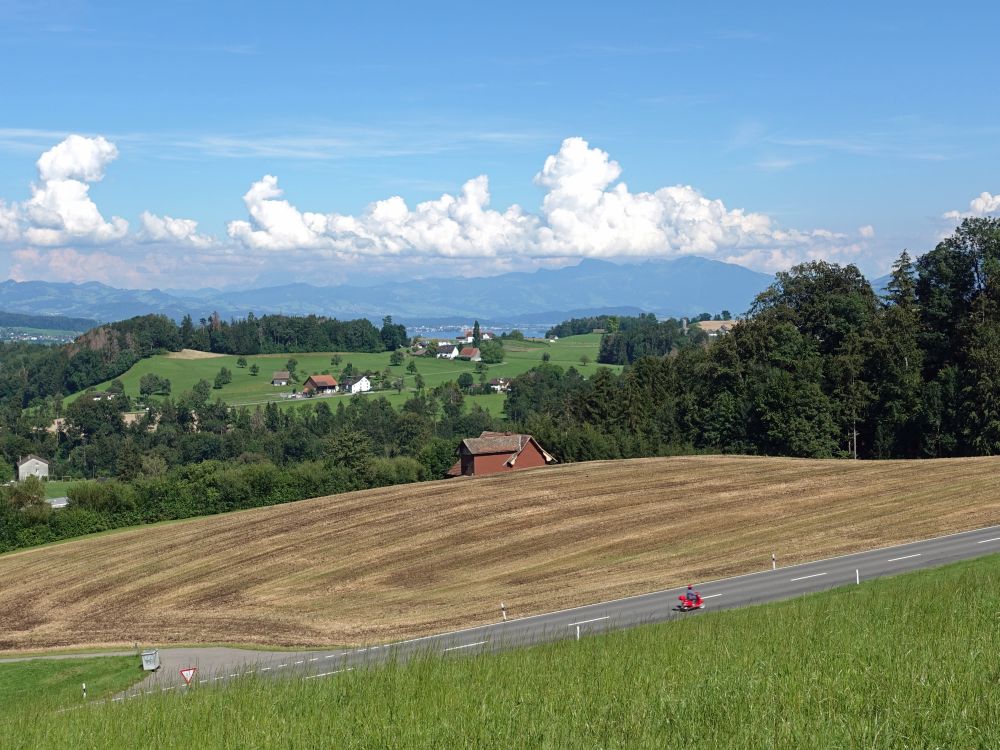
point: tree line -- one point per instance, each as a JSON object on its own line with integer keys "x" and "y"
{"x": 822, "y": 366}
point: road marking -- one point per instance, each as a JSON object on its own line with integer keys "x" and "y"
{"x": 904, "y": 557}
{"x": 584, "y": 622}
{"x": 467, "y": 645}
{"x": 299, "y": 662}
{"x": 710, "y": 596}
{"x": 331, "y": 656}
{"x": 315, "y": 658}
{"x": 994, "y": 539}
{"x": 282, "y": 665}
{"x": 814, "y": 575}
{"x": 202, "y": 682}
{"x": 327, "y": 674}
{"x": 265, "y": 669}
{"x": 234, "y": 675}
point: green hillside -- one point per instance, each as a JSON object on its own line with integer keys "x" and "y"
{"x": 900, "y": 662}
{"x": 249, "y": 389}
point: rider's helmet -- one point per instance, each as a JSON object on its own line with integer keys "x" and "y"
{"x": 690, "y": 587}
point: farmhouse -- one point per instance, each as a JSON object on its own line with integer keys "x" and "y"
{"x": 32, "y": 466}
{"x": 356, "y": 385}
{"x": 470, "y": 353}
{"x": 448, "y": 351}
{"x": 281, "y": 377}
{"x": 500, "y": 385}
{"x": 320, "y": 384}
{"x": 494, "y": 452}
{"x": 715, "y": 328}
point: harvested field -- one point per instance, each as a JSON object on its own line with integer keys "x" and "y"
{"x": 416, "y": 559}
{"x": 192, "y": 354}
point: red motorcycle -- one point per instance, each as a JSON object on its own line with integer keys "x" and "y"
{"x": 687, "y": 605}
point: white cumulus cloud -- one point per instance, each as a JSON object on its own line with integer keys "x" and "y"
{"x": 168, "y": 229}
{"x": 585, "y": 211}
{"x": 60, "y": 210}
{"x": 982, "y": 205}
{"x": 867, "y": 231}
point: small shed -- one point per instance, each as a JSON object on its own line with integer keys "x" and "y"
{"x": 32, "y": 466}
{"x": 281, "y": 377}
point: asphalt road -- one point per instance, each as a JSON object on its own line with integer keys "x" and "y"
{"x": 219, "y": 665}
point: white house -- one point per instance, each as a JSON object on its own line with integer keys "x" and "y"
{"x": 448, "y": 351}
{"x": 32, "y": 466}
{"x": 281, "y": 377}
{"x": 356, "y": 385}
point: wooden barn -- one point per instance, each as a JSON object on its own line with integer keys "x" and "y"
{"x": 493, "y": 452}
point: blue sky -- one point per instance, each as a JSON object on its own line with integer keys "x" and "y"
{"x": 794, "y": 132}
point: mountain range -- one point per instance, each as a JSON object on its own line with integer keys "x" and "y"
{"x": 682, "y": 287}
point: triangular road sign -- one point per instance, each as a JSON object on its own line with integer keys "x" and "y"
{"x": 187, "y": 673}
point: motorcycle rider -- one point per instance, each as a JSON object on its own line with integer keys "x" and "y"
{"x": 691, "y": 595}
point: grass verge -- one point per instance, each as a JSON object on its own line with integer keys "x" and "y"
{"x": 31, "y": 688}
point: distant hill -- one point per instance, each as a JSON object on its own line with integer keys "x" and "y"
{"x": 685, "y": 286}
{"x": 46, "y": 322}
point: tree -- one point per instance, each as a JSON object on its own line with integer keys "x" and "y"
{"x": 27, "y": 494}
{"x": 476, "y": 335}
{"x": 290, "y": 365}
{"x": 396, "y": 358}
{"x": 241, "y": 362}
{"x": 224, "y": 377}
{"x": 418, "y": 381}
{"x": 399, "y": 384}
{"x": 492, "y": 352}
{"x": 335, "y": 360}
{"x": 465, "y": 381}
{"x": 393, "y": 336}
{"x": 412, "y": 367}
{"x": 584, "y": 360}
{"x": 546, "y": 356}
{"x": 254, "y": 369}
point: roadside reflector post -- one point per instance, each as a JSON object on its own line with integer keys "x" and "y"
{"x": 857, "y": 576}
{"x": 774, "y": 561}
{"x": 578, "y": 632}
{"x": 503, "y": 611}
{"x": 85, "y": 691}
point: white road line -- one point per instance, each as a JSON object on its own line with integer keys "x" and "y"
{"x": 299, "y": 662}
{"x": 234, "y": 675}
{"x": 994, "y": 539}
{"x": 467, "y": 645}
{"x": 584, "y": 622}
{"x": 710, "y": 596}
{"x": 904, "y": 557}
{"x": 282, "y": 665}
{"x": 327, "y": 674}
{"x": 331, "y": 656}
{"x": 265, "y": 669}
{"x": 315, "y": 658}
{"x": 202, "y": 682}
{"x": 802, "y": 578}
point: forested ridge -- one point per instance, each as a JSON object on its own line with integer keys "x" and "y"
{"x": 820, "y": 367}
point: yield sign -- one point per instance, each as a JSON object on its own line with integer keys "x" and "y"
{"x": 187, "y": 673}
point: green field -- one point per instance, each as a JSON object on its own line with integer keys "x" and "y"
{"x": 247, "y": 389}
{"x": 900, "y": 662}
{"x": 33, "y": 688}
{"x": 58, "y": 487}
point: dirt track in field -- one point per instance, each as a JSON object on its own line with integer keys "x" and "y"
{"x": 416, "y": 559}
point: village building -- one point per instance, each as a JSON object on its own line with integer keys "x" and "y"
{"x": 281, "y": 377}
{"x": 32, "y": 466}
{"x": 470, "y": 353}
{"x": 500, "y": 385}
{"x": 100, "y": 395}
{"x": 716, "y": 328}
{"x": 495, "y": 452}
{"x": 448, "y": 351}
{"x": 356, "y": 385}
{"x": 320, "y": 384}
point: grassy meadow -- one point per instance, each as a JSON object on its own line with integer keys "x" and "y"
{"x": 185, "y": 369}
{"x": 891, "y": 663}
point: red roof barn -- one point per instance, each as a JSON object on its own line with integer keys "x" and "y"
{"x": 320, "y": 384}
{"x": 493, "y": 452}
